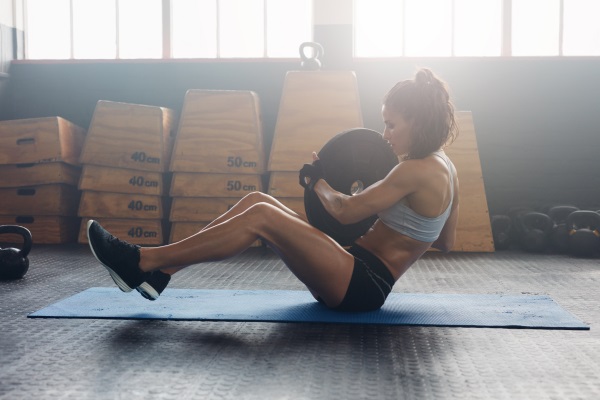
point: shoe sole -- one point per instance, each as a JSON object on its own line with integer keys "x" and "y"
{"x": 147, "y": 291}
{"x": 115, "y": 277}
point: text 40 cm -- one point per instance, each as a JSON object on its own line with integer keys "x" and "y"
{"x": 140, "y": 206}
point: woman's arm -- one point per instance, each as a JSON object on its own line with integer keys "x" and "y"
{"x": 399, "y": 183}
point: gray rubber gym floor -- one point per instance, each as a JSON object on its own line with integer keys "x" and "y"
{"x": 110, "y": 359}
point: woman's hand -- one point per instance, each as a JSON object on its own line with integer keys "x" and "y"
{"x": 310, "y": 174}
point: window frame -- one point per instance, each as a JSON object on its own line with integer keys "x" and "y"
{"x": 167, "y": 35}
{"x": 505, "y": 37}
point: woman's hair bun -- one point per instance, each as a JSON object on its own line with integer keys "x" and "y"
{"x": 425, "y": 76}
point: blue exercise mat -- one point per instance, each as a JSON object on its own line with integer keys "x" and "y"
{"x": 464, "y": 310}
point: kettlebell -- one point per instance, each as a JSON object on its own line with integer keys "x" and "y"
{"x": 559, "y": 238}
{"x": 501, "y": 227}
{"x": 536, "y": 228}
{"x": 311, "y": 63}
{"x": 584, "y": 233}
{"x": 515, "y": 214}
{"x": 14, "y": 262}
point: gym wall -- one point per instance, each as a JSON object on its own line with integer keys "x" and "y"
{"x": 11, "y": 48}
{"x": 536, "y": 119}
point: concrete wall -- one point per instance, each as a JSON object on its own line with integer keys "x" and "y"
{"x": 11, "y": 45}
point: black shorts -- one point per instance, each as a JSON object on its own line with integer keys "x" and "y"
{"x": 370, "y": 285}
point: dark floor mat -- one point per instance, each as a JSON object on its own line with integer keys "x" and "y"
{"x": 463, "y": 310}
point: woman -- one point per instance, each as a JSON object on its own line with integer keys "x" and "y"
{"x": 417, "y": 205}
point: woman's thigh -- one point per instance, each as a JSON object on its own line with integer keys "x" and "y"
{"x": 316, "y": 259}
{"x": 250, "y": 200}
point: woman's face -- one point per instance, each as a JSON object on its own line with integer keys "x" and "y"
{"x": 396, "y": 132}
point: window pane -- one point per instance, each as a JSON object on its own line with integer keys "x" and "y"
{"x": 477, "y": 27}
{"x": 377, "y": 28}
{"x": 94, "y": 29}
{"x": 581, "y": 30}
{"x": 535, "y": 27}
{"x": 140, "y": 29}
{"x": 241, "y": 28}
{"x": 48, "y": 29}
{"x": 288, "y": 25}
{"x": 428, "y": 27}
{"x": 194, "y": 28}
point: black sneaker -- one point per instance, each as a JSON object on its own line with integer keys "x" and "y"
{"x": 153, "y": 286}
{"x": 120, "y": 258}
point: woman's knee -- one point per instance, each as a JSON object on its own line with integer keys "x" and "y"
{"x": 256, "y": 197}
{"x": 264, "y": 216}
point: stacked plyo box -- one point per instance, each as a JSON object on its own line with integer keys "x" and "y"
{"x": 473, "y": 230}
{"x": 217, "y": 159}
{"x": 39, "y": 171}
{"x": 125, "y": 160}
{"x": 315, "y": 106}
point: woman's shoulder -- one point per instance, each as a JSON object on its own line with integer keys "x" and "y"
{"x": 423, "y": 170}
{"x": 422, "y": 166}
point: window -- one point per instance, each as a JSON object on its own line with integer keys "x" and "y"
{"x": 477, "y": 27}
{"x": 581, "y": 30}
{"x": 241, "y": 28}
{"x": 535, "y": 27}
{"x": 392, "y": 28}
{"x": 103, "y": 29}
{"x": 285, "y": 33}
{"x": 89, "y": 18}
{"x": 140, "y": 32}
{"x": 428, "y": 30}
{"x": 48, "y": 29}
{"x": 378, "y": 28}
{"x": 194, "y": 28}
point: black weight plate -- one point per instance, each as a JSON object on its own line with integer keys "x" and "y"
{"x": 354, "y": 157}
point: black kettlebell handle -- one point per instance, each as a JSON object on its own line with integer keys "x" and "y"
{"x": 583, "y": 219}
{"x": 536, "y": 220}
{"x": 317, "y": 47}
{"x": 559, "y": 214}
{"x": 24, "y": 232}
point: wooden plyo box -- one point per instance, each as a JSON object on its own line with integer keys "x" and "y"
{"x": 314, "y": 107}
{"x": 187, "y": 184}
{"x": 182, "y": 230}
{"x": 40, "y": 200}
{"x": 20, "y": 175}
{"x": 199, "y": 209}
{"x": 135, "y": 231}
{"x": 45, "y": 229}
{"x": 129, "y": 136}
{"x": 220, "y": 131}
{"x": 474, "y": 231}
{"x": 285, "y": 184}
{"x": 120, "y": 205}
{"x": 40, "y": 140}
{"x": 121, "y": 180}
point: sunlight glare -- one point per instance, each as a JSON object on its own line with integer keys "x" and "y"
{"x": 428, "y": 27}
{"x": 581, "y": 35}
{"x": 94, "y": 29}
{"x": 477, "y": 27}
{"x": 377, "y": 28}
{"x": 140, "y": 29}
{"x": 194, "y": 28}
{"x": 48, "y": 29}
{"x": 535, "y": 27}
{"x": 288, "y": 25}
{"x": 241, "y": 28}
